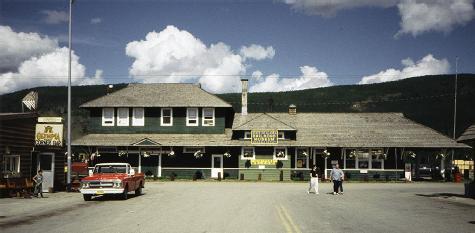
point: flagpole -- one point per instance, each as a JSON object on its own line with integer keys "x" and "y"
{"x": 68, "y": 182}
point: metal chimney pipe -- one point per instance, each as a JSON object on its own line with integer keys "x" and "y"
{"x": 244, "y": 83}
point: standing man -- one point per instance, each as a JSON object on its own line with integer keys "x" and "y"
{"x": 336, "y": 175}
{"x": 38, "y": 179}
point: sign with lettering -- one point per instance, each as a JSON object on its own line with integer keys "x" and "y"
{"x": 49, "y": 135}
{"x": 263, "y": 162}
{"x": 50, "y": 119}
{"x": 266, "y": 137}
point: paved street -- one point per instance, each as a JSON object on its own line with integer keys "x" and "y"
{"x": 249, "y": 207}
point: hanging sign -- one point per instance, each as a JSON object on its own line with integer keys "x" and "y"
{"x": 49, "y": 135}
{"x": 264, "y": 137}
{"x": 263, "y": 162}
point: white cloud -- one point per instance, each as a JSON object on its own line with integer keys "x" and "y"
{"x": 311, "y": 78}
{"x": 55, "y": 17}
{"x": 173, "y": 55}
{"x": 47, "y": 66}
{"x": 18, "y": 47}
{"x": 428, "y": 65}
{"x": 257, "y": 75}
{"x": 419, "y": 16}
{"x": 329, "y": 8}
{"x": 257, "y": 52}
{"x": 96, "y": 20}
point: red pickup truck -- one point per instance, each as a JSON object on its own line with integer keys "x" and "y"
{"x": 112, "y": 179}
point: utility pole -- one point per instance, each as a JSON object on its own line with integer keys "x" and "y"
{"x": 68, "y": 182}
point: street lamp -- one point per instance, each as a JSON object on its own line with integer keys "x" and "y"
{"x": 68, "y": 181}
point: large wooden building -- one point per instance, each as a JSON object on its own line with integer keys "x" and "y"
{"x": 181, "y": 130}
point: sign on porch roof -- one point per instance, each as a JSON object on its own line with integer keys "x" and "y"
{"x": 264, "y": 137}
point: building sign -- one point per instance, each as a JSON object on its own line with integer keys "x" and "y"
{"x": 49, "y": 135}
{"x": 50, "y": 119}
{"x": 266, "y": 137}
{"x": 263, "y": 162}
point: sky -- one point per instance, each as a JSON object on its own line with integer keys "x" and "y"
{"x": 279, "y": 45}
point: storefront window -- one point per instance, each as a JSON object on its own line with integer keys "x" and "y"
{"x": 363, "y": 159}
{"x": 301, "y": 158}
{"x": 248, "y": 153}
{"x": 12, "y": 165}
{"x": 280, "y": 153}
{"x": 350, "y": 158}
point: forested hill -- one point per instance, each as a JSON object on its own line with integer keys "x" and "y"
{"x": 427, "y": 100}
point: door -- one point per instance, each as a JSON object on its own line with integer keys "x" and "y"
{"x": 46, "y": 163}
{"x": 216, "y": 165}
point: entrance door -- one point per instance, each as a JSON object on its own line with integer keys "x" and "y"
{"x": 216, "y": 165}
{"x": 46, "y": 163}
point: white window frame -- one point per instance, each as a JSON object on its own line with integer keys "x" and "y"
{"x": 286, "y": 154}
{"x": 193, "y": 149}
{"x": 127, "y": 120}
{"x": 253, "y": 153}
{"x": 203, "y": 117}
{"x": 188, "y": 117}
{"x": 171, "y": 117}
{"x": 135, "y": 121}
{"x": 8, "y": 162}
{"x": 247, "y": 135}
{"x": 281, "y": 133}
{"x": 296, "y": 156}
{"x": 357, "y": 160}
{"x": 105, "y": 122}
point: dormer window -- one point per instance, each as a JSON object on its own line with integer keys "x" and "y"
{"x": 108, "y": 117}
{"x": 138, "y": 117}
{"x": 208, "y": 117}
{"x": 247, "y": 135}
{"x": 123, "y": 117}
{"x": 281, "y": 135}
{"x": 192, "y": 117}
{"x": 167, "y": 117}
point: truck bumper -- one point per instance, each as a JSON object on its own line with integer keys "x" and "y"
{"x": 102, "y": 191}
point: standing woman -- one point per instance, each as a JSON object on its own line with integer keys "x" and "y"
{"x": 38, "y": 179}
{"x": 313, "y": 179}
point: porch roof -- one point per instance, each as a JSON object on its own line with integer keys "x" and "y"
{"x": 468, "y": 134}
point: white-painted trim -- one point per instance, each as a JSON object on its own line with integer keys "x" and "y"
{"x": 171, "y": 117}
{"x": 247, "y": 135}
{"x": 125, "y": 121}
{"x": 136, "y": 121}
{"x": 188, "y": 117}
{"x": 296, "y": 155}
{"x": 193, "y": 149}
{"x": 253, "y": 153}
{"x": 159, "y": 171}
{"x": 108, "y": 122}
{"x": 203, "y": 117}
{"x": 275, "y": 150}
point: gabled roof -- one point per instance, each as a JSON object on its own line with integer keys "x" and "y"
{"x": 259, "y": 121}
{"x": 158, "y": 95}
{"x": 468, "y": 134}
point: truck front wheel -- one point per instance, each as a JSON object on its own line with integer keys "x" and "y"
{"x": 125, "y": 193}
{"x": 87, "y": 197}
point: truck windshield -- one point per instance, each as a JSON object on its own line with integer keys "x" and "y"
{"x": 111, "y": 169}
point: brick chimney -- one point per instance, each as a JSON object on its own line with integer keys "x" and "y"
{"x": 292, "y": 109}
{"x": 244, "y": 83}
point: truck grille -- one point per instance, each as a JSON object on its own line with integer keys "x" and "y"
{"x": 97, "y": 184}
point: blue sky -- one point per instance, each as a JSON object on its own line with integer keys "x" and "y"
{"x": 354, "y": 42}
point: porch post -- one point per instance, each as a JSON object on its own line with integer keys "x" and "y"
{"x": 140, "y": 160}
{"x": 159, "y": 171}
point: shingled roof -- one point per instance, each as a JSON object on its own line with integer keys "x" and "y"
{"x": 158, "y": 95}
{"x": 468, "y": 134}
{"x": 357, "y": 130}
{"x": 259, "y": 121}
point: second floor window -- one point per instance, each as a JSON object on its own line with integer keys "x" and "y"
{"x": 208, "y": 117}
{"x": 123, "y": 117}
{"x": 167, "y": 117}
{"x": 108, "y": 117}
{"x": 138, "y": 117}
{"x": 192, "y": 117}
